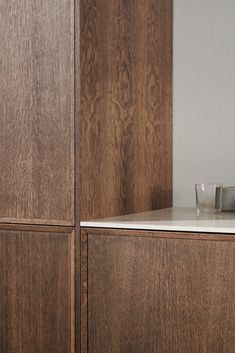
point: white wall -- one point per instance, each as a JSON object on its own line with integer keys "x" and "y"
{"x": 204, "y": 95}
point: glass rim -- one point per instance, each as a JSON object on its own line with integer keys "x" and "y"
{"x": 209, "y": 184}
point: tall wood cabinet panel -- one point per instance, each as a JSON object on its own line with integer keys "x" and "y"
{"x": 37, "y": 111}
{"x": 126, "y": 106}
{"x": 157, "y": 292}
{"x": 36, "y": 290}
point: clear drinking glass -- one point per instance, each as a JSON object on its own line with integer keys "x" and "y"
{"x": 209, "y": 198}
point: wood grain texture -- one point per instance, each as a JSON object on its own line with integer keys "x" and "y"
{"x": 158, "y": 295}
{"x": 126, "y": 106}
{"x": 37, "y": 111}
{"x": 84, "y": 291}
{"x": 37, "y": 292}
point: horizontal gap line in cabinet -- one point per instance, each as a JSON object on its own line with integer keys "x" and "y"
{"x": 56, "y": 228}
{"x": 163, "y": 234}
{"x": 37, "y": 222}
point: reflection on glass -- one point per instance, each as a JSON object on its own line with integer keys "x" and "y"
{"x": 209, "y": 198}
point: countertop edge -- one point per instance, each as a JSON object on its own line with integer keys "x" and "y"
{"x": 229, "y": 231}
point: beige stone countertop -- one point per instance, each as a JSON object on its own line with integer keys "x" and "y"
{"x": 170, "y": 219}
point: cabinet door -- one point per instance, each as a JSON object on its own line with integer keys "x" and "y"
{"x": 36, "y": 111}
{"x": 36, "y": 291}
{"x": 126, "y": 106}
{"x": 159, "y": 295}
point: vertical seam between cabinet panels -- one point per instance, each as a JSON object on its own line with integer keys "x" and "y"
{"x": 72, "y": 288}
{"x": 78, "y": 254}
{"x": 87, "y": 277}
{"x": 73, "y": 149}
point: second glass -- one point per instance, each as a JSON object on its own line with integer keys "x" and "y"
{"x": 209, "y": 198}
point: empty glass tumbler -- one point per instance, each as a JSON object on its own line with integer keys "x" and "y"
{"x": 209, "y": 198}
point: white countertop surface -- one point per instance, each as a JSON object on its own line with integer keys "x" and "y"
{"x": 170, "y": 219}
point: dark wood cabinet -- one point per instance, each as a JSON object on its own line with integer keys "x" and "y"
{"x": 153, "y": 292}
{"x": 37, "y": 112}
{"x": 126, "y": 106}
{"x": 68, "y": 153}
{"x": 36, "y": 290}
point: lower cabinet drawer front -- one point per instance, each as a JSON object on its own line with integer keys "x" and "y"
{"x": 158, "y": 294}
{"x": 36, "y": 290}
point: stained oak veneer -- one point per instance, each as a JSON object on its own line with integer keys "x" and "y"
{"x": 36, "y": 290}
{"x": 154, "y": 292}
{"x": 37, "y": 112}
{"x": 126, "y": 106}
